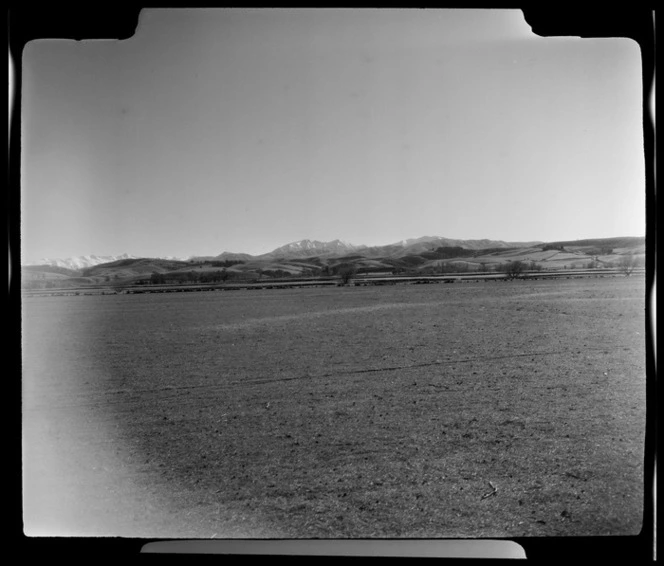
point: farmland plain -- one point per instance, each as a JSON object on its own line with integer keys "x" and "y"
{"x": 479, "y": 409}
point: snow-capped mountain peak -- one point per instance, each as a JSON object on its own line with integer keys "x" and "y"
{"x": 81, "y": 262}
{"x": 313, "y": 246}
{"x": 423, "y": 239}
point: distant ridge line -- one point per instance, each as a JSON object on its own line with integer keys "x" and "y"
{"x": 339, "y": 248}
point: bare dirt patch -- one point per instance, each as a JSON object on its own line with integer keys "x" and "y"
{"x": 338, "y": 412}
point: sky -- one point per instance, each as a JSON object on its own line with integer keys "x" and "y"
{"x": 239, "y": 130}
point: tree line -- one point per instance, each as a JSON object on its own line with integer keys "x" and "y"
{"x": 218, "y": 276}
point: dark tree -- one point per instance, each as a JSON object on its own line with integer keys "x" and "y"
{"x": 346, "y": 273}
{"x": 627, "y": 264}
{"x": 157, "y": 278}
{"x": 515, "y": 269}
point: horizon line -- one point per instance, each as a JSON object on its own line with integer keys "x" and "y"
{"x": 191, "y": 256}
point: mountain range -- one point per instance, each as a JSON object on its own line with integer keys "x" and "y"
{"x": 309, "y": 258}
{"x": 302, "y": 249}
{"x": 340, "y": 248}
{"x": 84, "y": 261}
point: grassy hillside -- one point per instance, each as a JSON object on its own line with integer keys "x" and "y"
{"x": 623, "y": 242}
{"x": 133, "y": 267}
{"x": 52, "y": 270}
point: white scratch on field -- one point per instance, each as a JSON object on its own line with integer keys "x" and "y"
{"x": 268, "y": 320}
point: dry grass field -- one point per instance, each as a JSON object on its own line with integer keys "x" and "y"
{"x": 479, "y": 409}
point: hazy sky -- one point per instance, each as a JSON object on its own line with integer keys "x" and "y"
{"x": 242, "y": 130}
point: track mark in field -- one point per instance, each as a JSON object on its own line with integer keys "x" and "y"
{"x": 404, "y": 367}
{"x": 309, "y": 315}
{"x": 173, "y": 392}
{"x": 567, "y": 298}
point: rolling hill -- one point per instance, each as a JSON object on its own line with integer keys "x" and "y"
{"x": 311, "y": 258}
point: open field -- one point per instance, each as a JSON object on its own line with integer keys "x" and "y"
{"x": 352, "y": 412}
{"x": 294, "y": 282}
